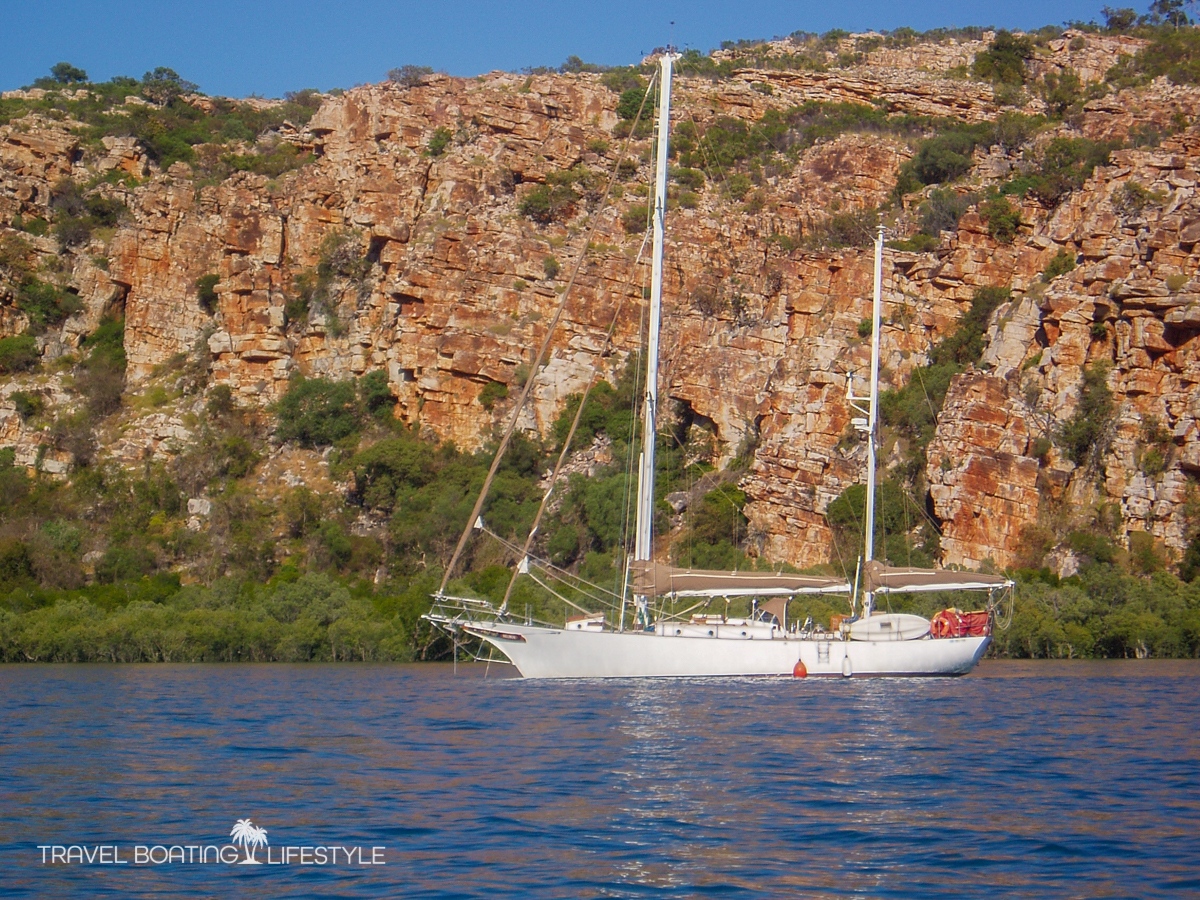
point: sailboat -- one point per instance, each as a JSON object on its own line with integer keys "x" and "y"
{"x": 765, "y": 643}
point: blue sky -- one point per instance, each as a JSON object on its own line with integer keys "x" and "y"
{"x": 242, "y": 47}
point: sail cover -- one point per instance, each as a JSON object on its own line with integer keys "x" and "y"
{"x": 652, "y": 579}
{"x": 884, "y": 579}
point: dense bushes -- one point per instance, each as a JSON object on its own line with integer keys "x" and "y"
{"x": 947, "y": 154}
{"x": 78, "y": 214}
{"x": 1084, "y": 436}
{"x": 18, "y": 353}
{"x": 897, "y": 518}
{"x": 1103, "y": 612}
{"x": 318, "y": 412}
{"x": 1003, "y": 62}
{"x": 342, "y": 263}
{"x": 170, "y": 129}
{"x": 1173, "y": 52}
{"x": 556, "y": 199}
{"x": 45, "y": 304}
{"x": 728, "y": 143}
{"x": 913, "y": 409}
{"x": 717, "y": 528}
{"x": 310, "y": 617}
{"x": 1064, "y": 165}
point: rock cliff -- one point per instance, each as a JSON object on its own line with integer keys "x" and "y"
{"x": 405, "y": 240}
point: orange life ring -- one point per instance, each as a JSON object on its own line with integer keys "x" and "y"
{"x": 943, "y": 624}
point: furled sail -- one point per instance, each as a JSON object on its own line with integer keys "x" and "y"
{"x": 652, "y": 579}
{"x": 883, "y": 579}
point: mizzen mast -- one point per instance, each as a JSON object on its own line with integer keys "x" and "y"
{"x": 869, "y": 426}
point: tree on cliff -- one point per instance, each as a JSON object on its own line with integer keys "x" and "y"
{"x": 1170, "y": 12}
{"x": 409, "y": 76}
{"x": 1004, "y": 60}
{"x": 163, "y": 85}
{"x": 65, "y": 73}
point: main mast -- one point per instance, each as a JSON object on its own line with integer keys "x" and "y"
{"x": 644, "y": 537}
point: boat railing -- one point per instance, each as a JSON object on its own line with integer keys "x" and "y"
{"x": 450, "y": 611}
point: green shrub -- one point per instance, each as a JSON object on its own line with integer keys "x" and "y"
{"x": 965, "y": 346}
{"x": 206, "y": 294}
{"x": 163, "y": 85}
{"x": 46, "y": 305}
{"x": 1002, "y": 218}
{"x": 918, "y": 243}
{"x": 72, "y": 232}
{"x": 550, "y": 267}
{"x": 1062, "y": 91}
{"x": 317, "y": 412}
{"x": 65, "y": 73}
{"x": 634, "y": 220}
{"x": 375, "y": 395}
{"x": 78, "y": 214}
{"x": 124, "y": 563}
{"x": 1084, "y": 436}
{"x": 1062, "y": 263}
{"x": 854, "y": 228}
{"x": 1131, "y": 199}
{"x": 547, "y": 203}
{"x": 895, "y": 512}
{"x": 1003, "y": 62}
{"x": 913, "y": 409}
{"x": 1064, "y": 166}
{"x": 607, "y": 412}
{"x": 439, "y": 141}
{"x": 492, "y": 393}
{"x": 623, "y": 79}
{"x": 342, "y": 259}
{"x": 737, "y": 185}
{"x": 100, "y": 377}
{"x": 36, "y": 226}
{"x": 945, "y": 157}
{"x": 1173, "y": 52}
{"x": 18, "y": 353}
{"x": 942, "y": 209}
{"x": 383, "y": 468}
{"x": 269, "y": 161}
{"x": 1189, "y": 566}
{"x": 715, "y": 532}
{"x": 631, "y": 101}
{"x": 948, "y": 154}
{"x": 409, "y": 76}
{"x": 28, "y": 405}
{"x": 690, "y": 179}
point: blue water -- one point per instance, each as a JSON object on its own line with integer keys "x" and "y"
{"x": 1022, "y": 780}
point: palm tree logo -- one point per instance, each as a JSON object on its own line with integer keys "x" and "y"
{"x": 251, "y": 837}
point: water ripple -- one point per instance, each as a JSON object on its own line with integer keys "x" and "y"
{"x": 1021, "y": 781}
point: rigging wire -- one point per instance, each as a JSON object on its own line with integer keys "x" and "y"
{"x": 605, "y": 597}
{"x": 555, "y": 593}
{"x": 566, "y": 447}
{"x": 537, "y": 363}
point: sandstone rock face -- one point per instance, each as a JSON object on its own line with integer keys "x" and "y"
{"x": 449, "y": 292}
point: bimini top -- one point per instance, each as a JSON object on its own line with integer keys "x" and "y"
{"x": 652, "y": 579}
{"x": 883, "y": 579}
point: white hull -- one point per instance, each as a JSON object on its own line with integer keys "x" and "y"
{"x": 540, "y": 652}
